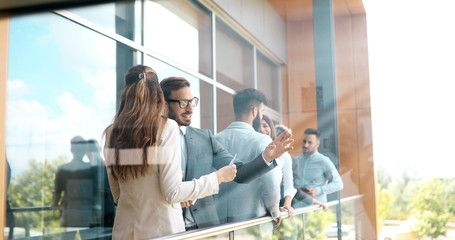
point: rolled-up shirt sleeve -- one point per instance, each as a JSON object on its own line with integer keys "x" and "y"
{"x": 334, "y": 182}
{"x": 288, "y": 181}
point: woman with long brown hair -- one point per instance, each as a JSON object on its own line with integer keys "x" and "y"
{"x": 143, "y": 159}
{"x": 284, "y": 172}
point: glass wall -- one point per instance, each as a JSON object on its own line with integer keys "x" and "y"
{"x": 234, "y": 58}
{"x": 184, "y": 38}
{"x": 61, "y": 96}
{"x": 65, "y": 74}
{"x": 268, "y": 76}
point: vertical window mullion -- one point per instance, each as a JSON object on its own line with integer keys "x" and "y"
{"x": 214, "y": 95}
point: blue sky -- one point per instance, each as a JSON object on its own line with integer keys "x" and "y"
{"x": 61, "y": 82}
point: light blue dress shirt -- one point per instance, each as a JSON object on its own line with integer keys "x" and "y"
{"x": 284, "y": 174}
{"x": 236, "y": 202}
{"x": 183, "y": 148}
{"x": 189, "y": 219}
{"x": 318, "y": 171}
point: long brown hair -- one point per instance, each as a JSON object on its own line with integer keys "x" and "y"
{"x": 271, "y": 125}
{"x": 138, "y": 120}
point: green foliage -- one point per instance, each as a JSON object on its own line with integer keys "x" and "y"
{"x": 290, "y": 228}
{"x": 429, "y": 213}
{"x": 263, "y": 231}
{"x": 402, "y": 191}
{"x": 78, "y": 235}
{"x": 348, "y": 213}
{"x": 384, "y": 179}
{"x": 383, "y": 204}
{"x": 450, "y": 197}
{"x": 316, "y": 222}
{"x": 34, "y": 187}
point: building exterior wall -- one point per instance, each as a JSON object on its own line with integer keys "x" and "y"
{"x": 261, "y": 20}
{"x": 352, "y": 96}
{"x": 4, "y": 24}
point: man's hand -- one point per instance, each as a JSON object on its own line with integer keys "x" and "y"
{"x": 186, "y": 203}
{"x": 278, "y": 221}
{"x": 288, "y": 209}
{"x": 287, "y": 206}
{"x": 312, "y": 191}
{"x": 280, "y": 145}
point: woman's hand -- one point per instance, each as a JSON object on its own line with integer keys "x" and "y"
{"x": 280, "y": 145}
{"x": 324, "y": 207}
{"x": 227, "y": 173}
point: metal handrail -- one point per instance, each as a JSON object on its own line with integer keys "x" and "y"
{"x": 34, "y": 209}
{"x": 219, "y": 229}
{"x": 229, "y": 227}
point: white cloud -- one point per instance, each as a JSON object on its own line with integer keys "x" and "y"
{"x": 36, "y": 131}
{"x": 82, "y": 49}
{"x": 17, "y": 89}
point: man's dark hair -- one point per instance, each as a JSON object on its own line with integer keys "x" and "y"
{"x": 173, "y": 84}
{"x": 246, "y": 99}
{"x": 313, "y": 131}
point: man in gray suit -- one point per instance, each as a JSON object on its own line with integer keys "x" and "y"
{"x": 201, "y": 153}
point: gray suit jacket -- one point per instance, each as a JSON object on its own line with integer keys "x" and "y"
{"x": 206, "y": 155}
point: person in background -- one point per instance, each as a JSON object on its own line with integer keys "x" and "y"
{"x": 288, "y": 183}
{"x": 142, "y": 152}
{"x": 284, "y": 170}
{"x": 9, "y": 213}
{"x": 201, "y": 153}
{"x": 316, "y": 173}
{"x": 279, "y": 128}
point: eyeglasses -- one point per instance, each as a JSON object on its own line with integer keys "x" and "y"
{"x": 183, "y": 103}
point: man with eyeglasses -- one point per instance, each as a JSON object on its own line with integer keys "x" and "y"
{"x": 201, "y": 153}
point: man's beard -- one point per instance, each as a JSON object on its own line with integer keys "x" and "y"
{"x": 172, "y": 115}
{"x": 257, "y": 123}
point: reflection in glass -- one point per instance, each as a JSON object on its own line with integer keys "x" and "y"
{"x": 268, "y": 80}
{"x": 225, "y": 113}
{"x": 61, "y": 84}
{"x": 234, "y": 58}
{"x": 113, "y": 17}
{"x": 185, "y": 38}
{"x": 261, "y": 231}
{"x": 206, "y": 105}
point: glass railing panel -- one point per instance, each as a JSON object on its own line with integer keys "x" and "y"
{"x": 310, "y": 222}
{"x": 317, "y": 223}
{"x": 261, "y": 231}
{"x": 290, "y": 228}
{"x": 348, "y": 215}
{"x": 39, "y": 223}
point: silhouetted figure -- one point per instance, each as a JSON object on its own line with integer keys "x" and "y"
{"x": 75, "y": 181}
{"x": 103, "y": 201}
{"x": 9, "y": 213}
